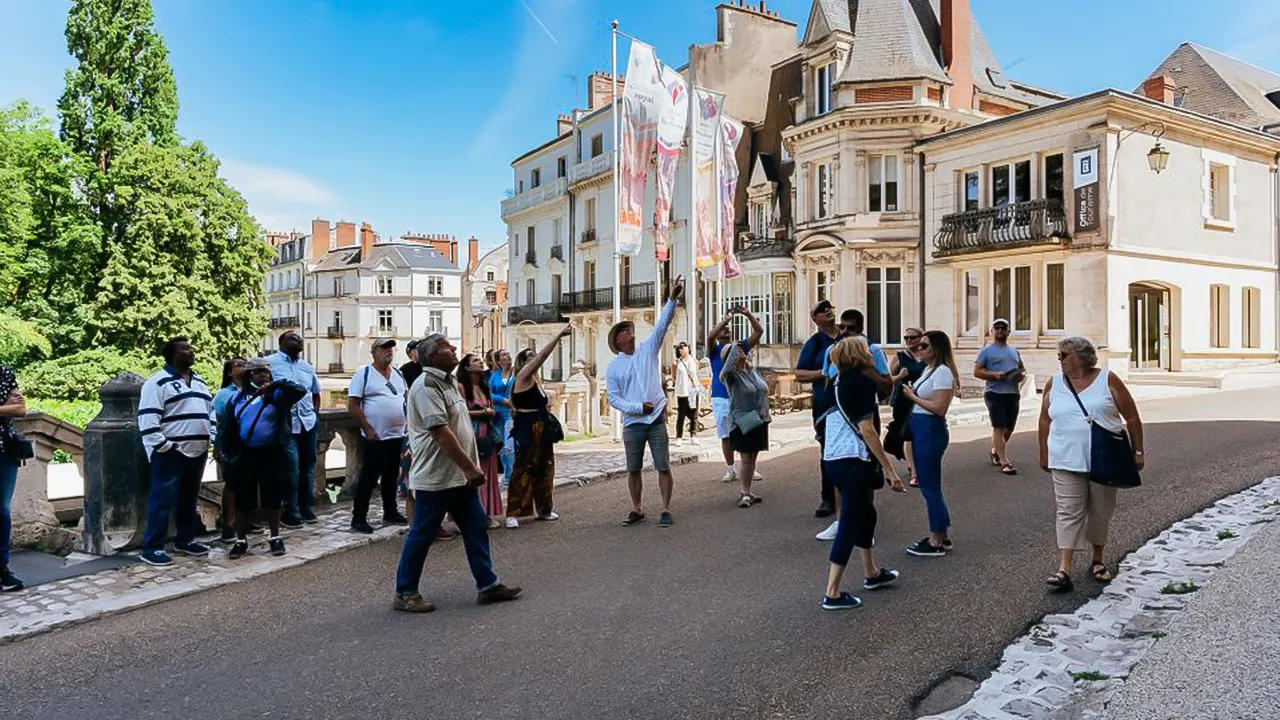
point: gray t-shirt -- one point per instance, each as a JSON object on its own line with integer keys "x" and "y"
{"x": 994, "y": 358}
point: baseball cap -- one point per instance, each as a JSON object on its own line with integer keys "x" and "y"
{"x": 384, "y": 342}
{"x": 413, "y": 345}
{"x": 1000, "y": 321}
{"x": 257, "y": 364}
{"x": 821, "y": 307}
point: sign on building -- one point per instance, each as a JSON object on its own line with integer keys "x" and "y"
{"x": 1085, "y": 182}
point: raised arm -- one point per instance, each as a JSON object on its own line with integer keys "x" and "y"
{"x": 757, "y": 330}
{"x": 531, "y": 368}
{"x": 729, "y": 371}
{"x": 714, "y": 335}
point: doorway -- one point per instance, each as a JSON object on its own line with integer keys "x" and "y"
{"x": 1149, "y": 327}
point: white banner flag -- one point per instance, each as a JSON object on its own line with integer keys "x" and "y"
{"x": 707, "y": 108}
{"x": 639, "y": 124}
{"x": 730, "y": 135}
{"x": 673, "y": 115}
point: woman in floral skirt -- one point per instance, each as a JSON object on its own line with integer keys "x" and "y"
{"x": 473, "y": 388}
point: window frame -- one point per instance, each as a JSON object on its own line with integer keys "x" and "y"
{"x": 384, "y": 313}
{"x": 1209, "y": 210}
{"x": 882, "y": 284}
{"x": 822, "y": 192}
{"x": 435, "y": 285}
{"x": 1012, "y": 315}
{"x": 1251, "y": 318}
{"x": 1219, "y": 316}
{"x": 966, "y": 306}
{"x": 882, "y": 161}
{"x": 597, "y": 145}
{"x": 432, "y": 325}
{"x": 1047, "y": 301}
{"x": 823, "y": 94}
{"x": 535, "y": 178}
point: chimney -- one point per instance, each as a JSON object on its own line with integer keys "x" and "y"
{"x": 600, "y": 89}
{"x": 1160, "y": 88}
{"x": 367, "y": 238}
{"x": 473, "y": 255}
{"x": 453, "y": 250}
{"x": 346, "y": 234}
{"x": 319, "y": 240}
{"x": 957, "y": 52}
{"x": 564, "y": 124}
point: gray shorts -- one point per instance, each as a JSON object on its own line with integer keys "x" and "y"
{"x": 634, "y": 438}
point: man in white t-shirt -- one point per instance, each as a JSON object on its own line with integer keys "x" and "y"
{"x": 376, "y": 397}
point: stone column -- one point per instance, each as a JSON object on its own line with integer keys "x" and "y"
{"x": 33, "y": 517}
{"x": 116, "y": 475}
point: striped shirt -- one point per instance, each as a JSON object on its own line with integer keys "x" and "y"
{"x": 176, "y": 414}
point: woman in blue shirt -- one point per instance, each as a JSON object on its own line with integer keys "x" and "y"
{"x": 232, "y": 382}
{"x": 501, "y": 380}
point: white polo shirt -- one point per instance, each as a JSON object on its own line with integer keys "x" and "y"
{"x": 383, "y": 400}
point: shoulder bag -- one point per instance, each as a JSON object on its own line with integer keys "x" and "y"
{"x": 1111, "y": 461}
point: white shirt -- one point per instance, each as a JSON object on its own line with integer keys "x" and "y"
{"x": 686, "y": 377}
{"x": 933, "y": 382}
{"x": 1070, "y": 439}
{"x": 842, "y": 441}
{"x": 633, "y": 380}
{"x": 382, "y": 399}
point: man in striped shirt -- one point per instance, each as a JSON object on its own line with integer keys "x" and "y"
{"x": 176, "y": 418}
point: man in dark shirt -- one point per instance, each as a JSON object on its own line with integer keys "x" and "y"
{"x": 412, "y": 369}
{"x": 809, "y": 370}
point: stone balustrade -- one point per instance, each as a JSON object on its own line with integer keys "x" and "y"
{"x": 34, "y": 521}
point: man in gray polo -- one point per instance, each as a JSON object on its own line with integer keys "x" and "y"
{"x": 1000, "y": 365}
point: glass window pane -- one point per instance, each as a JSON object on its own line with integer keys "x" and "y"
{"x": 1022, "y": 181}
{"x": 873, "y": 312}
{"x": 1002, "y": 293}
{"x": 891, "y": 196}
{"x": 971, "y": 200}
{"x": 1000, "y": 185}
{"x": 1055, "y": 296}
{"x": 894, "y": 274}
{"x": 875, "y": 176}
{"x": 971, "y": 309}
{"x": 873, "y": 274}
{"x": 893, "y": 313}
{"x": 1053, "y": 177}
{"x": 1022, "y": 278}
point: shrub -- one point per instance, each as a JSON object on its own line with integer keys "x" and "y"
{"x": 76, "y": 412}
{"x": 21, "y": 342}
{"x": 80, "y": 375}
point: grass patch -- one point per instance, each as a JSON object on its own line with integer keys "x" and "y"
{"x": 578, "y": 438}
{"x": 1159, "y": 635}
{"x": 1179, "y": 588}
{"x": 1226, "y": 535}
{"x": 1272, "y": 504}
{"x": 1089, "y": 676}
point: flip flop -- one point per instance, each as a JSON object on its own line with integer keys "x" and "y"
{"x": 1008, "y": 469}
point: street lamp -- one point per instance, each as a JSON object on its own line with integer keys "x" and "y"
{"x": 1157, "y": 156}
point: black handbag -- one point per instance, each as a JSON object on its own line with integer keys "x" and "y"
{"x": 552, "y": 430}
{"x": 17, "y": 446}
{"x": 1111, "y": 461}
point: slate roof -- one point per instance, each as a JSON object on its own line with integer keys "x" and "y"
{"x": 400, "y": 255}
{"x": 1221, "y": 86}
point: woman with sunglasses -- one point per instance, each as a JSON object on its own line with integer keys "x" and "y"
{"x": 906, "y": 367}
{"x": 688, "y": 393}
{"x": 932, "y": 395}
{"x": 533, "y": 432}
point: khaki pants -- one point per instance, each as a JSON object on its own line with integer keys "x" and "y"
{"x": 1084, "y": 510}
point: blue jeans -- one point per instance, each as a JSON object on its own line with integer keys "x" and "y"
{"x": 175, "y": 487}
{"x": 300, "y": 459}
{"x": 929, "y": 438}
{"x": 857, "y": 528}
{"x": 463, "y": 503}
{"x": 8, "y": 483}
{"x": 507, "y": 455}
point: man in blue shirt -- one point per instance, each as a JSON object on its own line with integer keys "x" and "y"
{"x": 809, "y": 370}
{"x": 720, "y": 336}
{"x": 300, "y": 451}
{"x": 1000, "y": 365}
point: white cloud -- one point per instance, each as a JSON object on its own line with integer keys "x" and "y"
{"x": 281, "y": 199}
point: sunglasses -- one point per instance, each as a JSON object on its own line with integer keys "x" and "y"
{"x": 925, "y": 346}
{"x": 1063, "y": 355}
{"x": 911, "y": 337}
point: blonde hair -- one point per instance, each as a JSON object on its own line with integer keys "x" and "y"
{"x": 852, "y": 353}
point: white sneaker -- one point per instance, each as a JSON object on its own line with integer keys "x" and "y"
{"x": 757, "y": 477}
{"x": 549, "y": 517}
{"x": 730, "y": 475}
{"x": 694, "y": 442}
{"x": 830, "y": 532}
{"x": 512, "y": 523}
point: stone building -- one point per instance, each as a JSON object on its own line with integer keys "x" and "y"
{"x": 283, "y": 285}
{"x": 484, "y": 298}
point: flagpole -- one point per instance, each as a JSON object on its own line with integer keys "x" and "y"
{"x": 617, "y": 229}
{"x": 692, "y": 288}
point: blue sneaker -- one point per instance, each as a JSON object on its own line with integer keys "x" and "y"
{"x": 844, "y": 602}
{"x": 159, "y": 558}
{"x": 884, "y": 579}
{"x": 192, "y": 549}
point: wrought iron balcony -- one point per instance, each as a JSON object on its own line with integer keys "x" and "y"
{"x": 751, "y": 247}
{"x": 587, "y": 300}
{"x": 557, "y": 252}
{"x": 588, "y": 236}
{"x": 534, "y": 197}
{"x": 531, "y": 257}
{"x": 338, "y": 332}
{"x": 335, "y": 368}
{"x": 637, "y": 295}
{"x": 1038, "y": 222}
{"x": 383, "y": 331}
{"x": 540, "y": 313}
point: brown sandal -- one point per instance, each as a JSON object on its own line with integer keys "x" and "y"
{"x": 1008, "y": 469}
{"x": 1101, "y": 572}
{"x": 1060, "y": 581}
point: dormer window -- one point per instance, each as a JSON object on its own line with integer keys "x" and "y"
{"x": 535, "y": 179}
{"x": 823, "y": 77}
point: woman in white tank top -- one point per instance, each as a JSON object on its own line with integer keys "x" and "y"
{"x": 1084, "y": 509}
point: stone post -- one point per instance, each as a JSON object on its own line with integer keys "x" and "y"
{"x": 116, "y": 476}
{"x": 34, "y": 521}
{"x": 338, "y": 423}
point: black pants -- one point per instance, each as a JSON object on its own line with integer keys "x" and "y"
{"x": 685, "y": 411}
{"x": 857, "y": 526}
{"x": 381, "y": 462}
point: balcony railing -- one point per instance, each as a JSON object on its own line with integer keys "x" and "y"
{"x": 588, "y": 169}
{"x": 637, "y": 295}
{"x": 1021, "y": 224}
{"x": 588, "y": 236}
{"x": 587, "y": 300}
{"x": 557, "y": 252}
{"x": 283, "y": 322}
{"x": 751, "y": 247}
{"x": 335, "y": 369}
{"x": 540, "y": 313}
{"x": 534, "y": 197}
{"x": 531, "y": 257}
{"x": 383, "y": 331}
{"x": 338, "y": 332}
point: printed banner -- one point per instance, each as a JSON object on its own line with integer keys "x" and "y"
{"x": 730, "y": 136}
{"x": 707, "y": 108}
{"x": 672, "y": 118}
{"x": 639, "y": 126}
{"x": 1085, "y": 184}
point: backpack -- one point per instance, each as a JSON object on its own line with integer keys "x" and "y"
{"x": 229, "y": 443}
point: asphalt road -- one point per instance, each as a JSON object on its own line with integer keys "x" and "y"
{"x": 717, "y": 617}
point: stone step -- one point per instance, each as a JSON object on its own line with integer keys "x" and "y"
{"x": 1169, "y": 379}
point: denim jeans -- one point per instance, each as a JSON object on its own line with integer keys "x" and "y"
{"x": 507, "y": 455}
{"x": 463, "y": 503}
{"x": 930, "y": 437}
{"x": 854, "y": 478}
{"x": 8, "y": 483}
{"x": 300, "y": 459}
{"x": 175, "y": 488}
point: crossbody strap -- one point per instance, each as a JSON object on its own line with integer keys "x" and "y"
{"x": 835, "y": 388}
{"x": 1076, "y": 395}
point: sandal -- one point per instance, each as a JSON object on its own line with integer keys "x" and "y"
{"x": 995, "y": 457}
{"x": 1101, "y": 572}
{"x": 1008, "y": 469}
{"x": 747, "y": 500}
{"x": 914, "y": 481}
{"x": 1060, "y": 581}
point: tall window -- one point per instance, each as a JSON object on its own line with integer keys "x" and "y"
{"x": 822, "y": 285}
{"x": 337, "y": 319}
{"x": 972, "y": 200}
{"x": 560, "y": 167}
{"x": 1055, "y": 297}
{"x": 491, "y": 297}
{"x": 435, "y": 285}
{"x": 758, "y": 222}
{"x": 1011, "y": 183}
{"x": 530, "y": 290}
{"x": 768, "y": 297}
{"x": 529, "y": 239}
{"x": 597, "y": 145}
{"x": 535, "y": 178}
{"x": 884, "y": 305}
{"x": 1220, "y": 192}
{"x": 822, "y": 79}
{"x": 1219, "y": 316}
{"x": 435, "y": 321}
{"x": 822, "y": 191}
{"x": 1053, "y": 184}
{"x": 589, "y": 210}
{"x": 384, "y": 321}
{"x": 385, "y": 285}
{"x": 624, "y": 264}
{"x": 972, "y": 310}
{"x": 588, "y": 274}
{"x": 1011, "y": 290}
{"x": 488, "y": 276}
{"x": 779, "y": 324}
{"x": 882, "y": 190}
{"x": 1251, "y": 305}
{"x": 555, "y": 289}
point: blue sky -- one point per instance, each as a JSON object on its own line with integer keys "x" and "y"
{"x": 407, "y": 113}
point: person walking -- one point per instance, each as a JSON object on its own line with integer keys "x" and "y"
{"x": 12, "y": 405}
{"x": 300, "y": 451}
{"x": 932, "y": 396}
{"x": 500, "y": 382}
{"x": 905, "y": 368}
{"x": 444, "y": 479}
{"x": 854, "y": 459}
{"x": 376, "y": 399}
{"x": 473, "y": 388}
{"x": 1084, "y": 393}
{"x": 260, "y": 418}
{"x": 717, "y": 340}
{"x": 176, "y": 419}
{"x": 748, "y": 411}
{"x": 232, "y": 383}
{"x": 1000, "y": 366}
{"x": 809, "y": 370}
{"x": 534, "y": 431}
{"x": 688, "y": 391}
{"x": 634, "y": 385}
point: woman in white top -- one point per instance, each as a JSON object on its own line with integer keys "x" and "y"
{"x": 1084, "y": 508}
{"x": 932, "y": 395}
{"x": 688, "y": 392}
